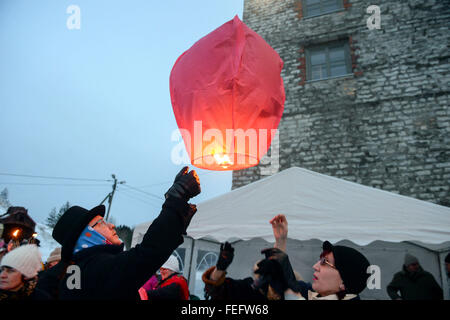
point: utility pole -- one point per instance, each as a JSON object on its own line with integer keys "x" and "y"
{"x": 107, "y": 196}
{"x": 111, "y": 195}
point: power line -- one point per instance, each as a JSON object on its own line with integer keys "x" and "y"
{"x": 144, "y": 192}
{"x": 171, "y": 181}
{"x": 156, "y": 184}
{"x": 54, "y": 184}
{"x": 50, "y": 177}
{"x": 141, "y": 195}
{"x": 132, "y": 196}
{"x": 138, "y": 197}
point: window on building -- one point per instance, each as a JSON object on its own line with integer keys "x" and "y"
{"x": 317, "y": 7}
{"x": 328, "y": 61}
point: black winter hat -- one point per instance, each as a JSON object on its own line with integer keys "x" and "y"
{"x": 352, "y": 267}
{"x": 70, "y": 225}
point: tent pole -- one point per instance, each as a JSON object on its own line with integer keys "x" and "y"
{"x": 444, "y": 280}
{"x": 190, "y": 262}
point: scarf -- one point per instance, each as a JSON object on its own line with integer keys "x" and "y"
{"x": 315, "y": 296}
{"x": 89, "y": 238}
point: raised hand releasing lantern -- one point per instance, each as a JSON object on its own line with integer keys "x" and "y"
{"x": 228, "y": 97}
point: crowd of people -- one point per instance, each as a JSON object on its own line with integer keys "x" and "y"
{"x": 92, "y": 264}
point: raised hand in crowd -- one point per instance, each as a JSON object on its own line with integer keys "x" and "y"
{"x": 280, "y": 231}
{"x": 226, "y": 256}
{"x": 185, "y": 186}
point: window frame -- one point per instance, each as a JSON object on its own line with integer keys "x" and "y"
{"x": 340, "y": 4}
{"x": 326, "y": 47}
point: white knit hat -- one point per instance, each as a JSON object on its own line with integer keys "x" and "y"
{"x": 172, "y": 264}
{"x": 26, "y": 259}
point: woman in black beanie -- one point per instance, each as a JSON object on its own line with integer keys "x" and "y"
{"x": 340, "y": 273}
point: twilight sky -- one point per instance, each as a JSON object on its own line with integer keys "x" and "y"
{"x": 86, "y": 103}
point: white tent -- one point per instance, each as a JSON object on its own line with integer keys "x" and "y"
{"x": 319, "y": 207}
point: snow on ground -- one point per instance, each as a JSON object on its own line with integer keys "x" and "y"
{"x": 47, "y": 243}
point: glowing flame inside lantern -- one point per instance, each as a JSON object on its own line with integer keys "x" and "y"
{"x": 34, "y": 235}
{"x": 222, "y": 160}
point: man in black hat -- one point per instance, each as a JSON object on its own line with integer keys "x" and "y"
{"x": 105, "y": 270}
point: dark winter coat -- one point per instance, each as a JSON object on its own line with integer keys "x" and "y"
{"x": 230, "y": 289}
{"x": 108, "y": 272}
{"x": 36, "y": 295}
{"x": 29, "y": 292}
{"x": 304, "y": 288}
{"x": 419, "y": 285}
{"x": 48, "y": 280}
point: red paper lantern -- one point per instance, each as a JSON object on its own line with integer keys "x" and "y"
{"x": 228, "y": 97}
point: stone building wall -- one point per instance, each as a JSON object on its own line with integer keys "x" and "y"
{"x": 387, "y": 123}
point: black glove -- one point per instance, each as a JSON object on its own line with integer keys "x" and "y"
{"x": 270, "y": 274}
{"x": 185, "y": 186}
{"x": 261, "y": 283}
{"x": 187, "y": 217}
{"x": 288, "y": 276}
{"x": 226, "y": 256}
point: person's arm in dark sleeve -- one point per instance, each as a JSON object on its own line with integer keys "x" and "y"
{"x": 226, "y": 288}
{"x": 48, "y": 280}
{"x": 304, "y": 288}
{"x": 438, "y": 294}
{"x": 131, "y": 269}
{"x": 162, "y": 237}
{"x": 169, "y": 292}
{"x": 393, "y": 288}
{"x": 214, "y": 288}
